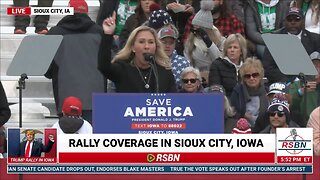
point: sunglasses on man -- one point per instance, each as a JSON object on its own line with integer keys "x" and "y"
{"x": 279, "y": 114}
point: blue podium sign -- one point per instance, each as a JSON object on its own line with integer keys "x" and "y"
{"x": 158, "y": 113}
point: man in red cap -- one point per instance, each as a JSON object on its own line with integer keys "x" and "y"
{"x": 72, "y": 122}
{"x": 79, "y": 22}
{"x": 79, "y": 6}
{"x": 40, "y": 21}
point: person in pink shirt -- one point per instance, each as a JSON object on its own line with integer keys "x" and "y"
{"x": 314, "y": 122}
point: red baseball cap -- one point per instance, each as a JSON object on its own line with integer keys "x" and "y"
{"x": 72, "y": 106}
{"x": 79, "y": 6}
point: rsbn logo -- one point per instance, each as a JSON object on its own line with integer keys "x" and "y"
{"x": 294, "y": 143}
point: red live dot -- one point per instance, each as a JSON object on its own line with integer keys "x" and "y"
{"x": 19, "y": 11}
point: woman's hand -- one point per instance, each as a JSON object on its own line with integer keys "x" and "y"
{"x": 172, "y": 6}
{"x": 204, "y": 35}
{"x": 189, "y": 9}
{"x": 109, "y": 24}
{"x": 311, "y": 86}
{"x": 176, "y": 7}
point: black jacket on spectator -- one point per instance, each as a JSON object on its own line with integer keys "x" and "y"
{"x": 268, "y": 128}
{"x": 5, "y": 112}
{"x": 263, "y": 121}
{"x": 74, "y": 68}
{"x": 224, "y": 73}
{"x": 311, "y": 43}
{"x": 75, "y": 24}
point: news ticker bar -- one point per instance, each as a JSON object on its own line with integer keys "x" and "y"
{"x": 178, "y": 158}
{"x": 195, "y": 169}
{"x": 25, "y": 11}
{"x": 167, "y": 157}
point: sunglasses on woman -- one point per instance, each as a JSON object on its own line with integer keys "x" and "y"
{"x": 192, "y": 81}
{"x": 279, "y": 114}
{"x": 254, "y": 75}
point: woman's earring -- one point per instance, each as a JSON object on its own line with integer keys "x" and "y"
{"x": 133, "y": 53}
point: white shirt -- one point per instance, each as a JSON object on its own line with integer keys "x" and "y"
{"x": 298, "y": 35}
{"x": 86, "y": 128}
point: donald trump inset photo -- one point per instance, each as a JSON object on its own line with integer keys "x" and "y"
{"x": 33, "y": 148}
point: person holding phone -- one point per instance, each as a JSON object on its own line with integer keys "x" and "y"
{"x": 306, "y": 95}
{"x": 204, "y": 44}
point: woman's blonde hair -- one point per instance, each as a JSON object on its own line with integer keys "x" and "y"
{"x": 252, "y": 63}
{"x": 126, "y": 54}
{"x": 215, "y": 37}
{"x": 240, "y": 40}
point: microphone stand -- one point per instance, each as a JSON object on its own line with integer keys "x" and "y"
{"x": 150, "y": 58}
{"x": 21, "y": 86}
{"x": 155, "y": 72}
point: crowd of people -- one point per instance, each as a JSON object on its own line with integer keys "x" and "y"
{"x": 206, "y": 46}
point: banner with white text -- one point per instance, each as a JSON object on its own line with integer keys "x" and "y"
{"x": 158, "y": 113}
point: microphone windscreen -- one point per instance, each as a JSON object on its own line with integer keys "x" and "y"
{"x": 148, "y": 57}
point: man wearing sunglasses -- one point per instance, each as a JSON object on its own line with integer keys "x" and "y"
{"x": 294, "y": 24}
{"x": 279, "y": 116}
{"x": 279, "y": 90}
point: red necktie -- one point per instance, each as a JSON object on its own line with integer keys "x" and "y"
{"x": 28, "y": 149}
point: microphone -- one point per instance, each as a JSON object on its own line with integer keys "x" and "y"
{"x": 21, "y": 82}
{"x": 23, "y": 76}
{"x": 303, "y": 78}
{"x": 148, "y": 57}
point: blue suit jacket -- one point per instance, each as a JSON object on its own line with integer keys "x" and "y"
{"x": 37, "y": 148}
